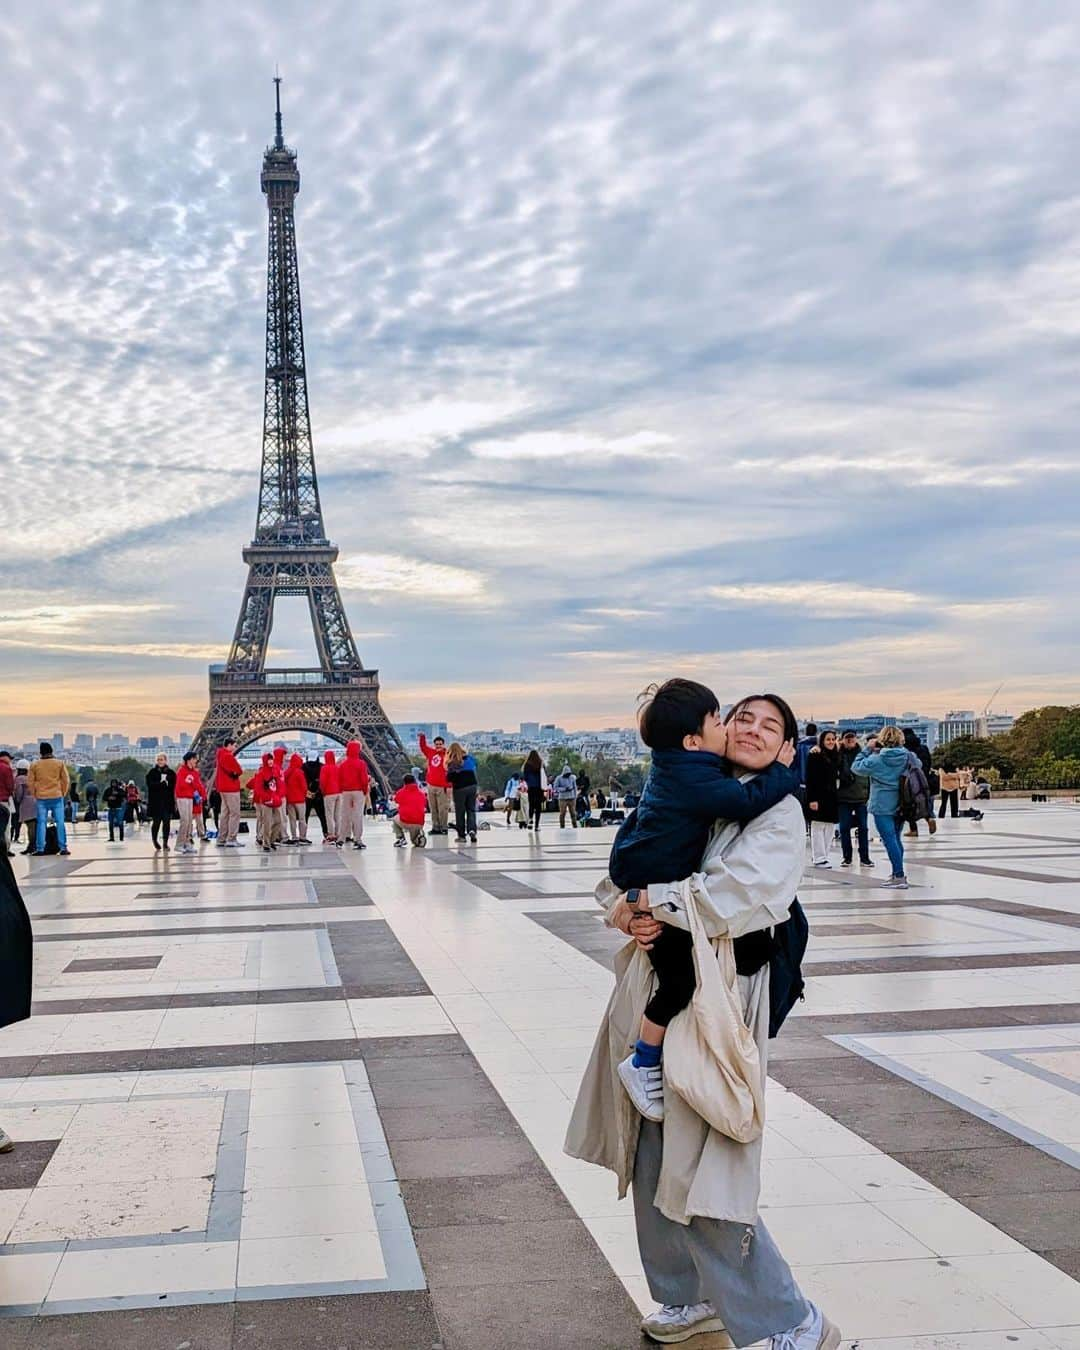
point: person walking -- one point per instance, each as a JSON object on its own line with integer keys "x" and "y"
{"x": 25, "y": 805}
{"x": 115, "y": 799}
{"x": 296, "y": 795}
{"x": 461, "y": 775}
{"x": 189, "y": 789}
{"x": 48, "y": 780}
{"x": 7, "y": 796}
{"x": 438, "y": 784}
{"x": 355, "y": 785}
{"x": 822, "y": 796}
{"x": 708, "y": 1257}
{"x": 161, "y": 801}
{"x": 565, "y": 787}
{"x": 330, "y": 783}
{"x": 950, "y": 790}
{"x": 510, "y": 799}
{"x": 535, "y": 777}
{"x": 227, "y": 776}
{"x": 883, "y": 762}
{"x": 852, "y": 796}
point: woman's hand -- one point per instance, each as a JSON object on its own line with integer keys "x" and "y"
{"x": 644, "y": 929}
{"x": 786, "y": 754}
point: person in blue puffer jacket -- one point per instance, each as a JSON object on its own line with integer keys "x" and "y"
{"x": 883, "y": 762}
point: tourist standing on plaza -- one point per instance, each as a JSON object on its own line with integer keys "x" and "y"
{"x": 709, "y": 1259}
{"x": 438, "y": 785}
{"x": 48, "y": 780}
{"x": 91, "y": 800}
{"x": 565, "y": 787}
{"x": 852, "y": 797}
{"x": 161, "y": 801}
{"x": 267, "y": 792}
{"x": 312, "y": 772}
{"x": 213, "y": 808}
{"x": 924, "y": 809}
{"x": 510, "y": 797}
{"x": 296, "y": 795}
{"x": 7, "y": 796}
{"x": 950, "y": 790}
{"x": 227, "y": 776}
{"x": 802, "y": 752}
{"x": 16, "y": 959}
{"x": 355, "y": 783}
{"x": 461, "y": 775}
{"x": 535, "y": 777}
{"x": 883, "y": 762}
{"x": 25, "y": 805}
{"x": 115, "y": 799}
{"x": 73, "y": 800}
{"x": 330, "y": 783}
{"x": 189, "y": 787}
{"x": 822, "y": 796}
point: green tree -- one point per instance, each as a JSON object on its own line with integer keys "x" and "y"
{"x": 492, "y": 770}
{"x": 125, "y": 768}
{"x": 973, "y": 752}
{"x": 1034, "y": 732}
{"x": 561, "y": 755}
{"x": 1065, "y": 741}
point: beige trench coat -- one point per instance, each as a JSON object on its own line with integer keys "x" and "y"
{"x": 747, "y": 882}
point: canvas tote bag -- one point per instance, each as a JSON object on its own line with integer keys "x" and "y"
{"x": 710, "y": 1056}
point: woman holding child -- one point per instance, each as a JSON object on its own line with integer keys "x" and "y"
{"x": 708, "y": 1258}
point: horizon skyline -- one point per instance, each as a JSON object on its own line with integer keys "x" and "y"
{"x": 624, "y": 360}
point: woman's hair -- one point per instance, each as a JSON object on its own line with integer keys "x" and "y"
{"x": 455, "y": 755}
{"x": 890, "y": 737}
{"x": 827, "y": 732}
{"x": 791, "y": 724}
{"x": 533, "y": 761}
{"x": 949, "y": 766}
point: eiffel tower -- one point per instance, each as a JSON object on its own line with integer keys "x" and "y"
{"x": 290, "y": 554}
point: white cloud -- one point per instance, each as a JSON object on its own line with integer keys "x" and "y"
{"x": 390, "y": 575}
{"x": 575, "y": 444}
{"x": 836, "y": 598}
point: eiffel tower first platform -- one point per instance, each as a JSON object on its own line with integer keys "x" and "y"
{"x": 290, "y": 554}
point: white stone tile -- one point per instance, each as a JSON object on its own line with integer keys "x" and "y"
{"x": 11, "y": 1205}
{"x": 878, "y": 1178}
{"x": 1037, "y": 1292}
{"x": 311, "y": 1260}
{"x": 803, "y": 1181}
{"x": 300, "y": 1099}
{"x": 302, "y": 1131}
{"x": 320, "y": 1165}
{"x": 302, "y": 1022}
{"x": 145, "y": 1271}
{"x": 25, "y": 1279}
{"x": 417, "y": 1016}
{"x": 307, "y": 1211}
{"x": 947, "y": 1227}
{"x": 834, "y": 1234}
{"x": 116, "y": 1209}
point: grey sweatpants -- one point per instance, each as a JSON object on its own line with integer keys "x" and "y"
{"x": 738, "y": 1269}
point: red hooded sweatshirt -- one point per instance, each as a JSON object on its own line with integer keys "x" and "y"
{"x": 436, "y": 763}
{"x": 188, "y": 782}
{"x": 228, "y": 773}
{"x": 412, "y": 804}
{"x": 269, "y": 783}
{"x": 330, "y": 775}
{"x": 255, "y": 782}
{"x": 353, "y": 772}
{"x": 296, "y": 788}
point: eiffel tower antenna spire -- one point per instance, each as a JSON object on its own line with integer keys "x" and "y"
{"x": 290, "y": 554}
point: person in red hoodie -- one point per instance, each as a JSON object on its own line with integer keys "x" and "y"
{"x": 409, "y": 820}
{"x": 330, "y": 786}
{"x": 258, "y": 796}
{"x": 227, "y": 775}
{"x": 268, "y": 790}
{"x": 283, "y": 817}
{"x": 188, "y": 785}
{"x": 355, "y": 786}
{"x": 438, "y": 785}
{"x": 296, "y": 795}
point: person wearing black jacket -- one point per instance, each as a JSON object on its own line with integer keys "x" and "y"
{"x": 312, "y": 769}
{"x": 115, "y": 799}
{"x": 852, "y": 797}
{"x": 922, "y": 754}
{"x": 822, "y": 796}
{"x": 16, "y": 958}
{"x": 161, "y": 801}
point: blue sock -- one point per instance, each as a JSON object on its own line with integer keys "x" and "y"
{"x": 647, "y": 1056}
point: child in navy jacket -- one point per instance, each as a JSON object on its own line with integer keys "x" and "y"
{"x": 690, "y": 786}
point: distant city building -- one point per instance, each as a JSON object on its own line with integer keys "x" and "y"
{"x": 84, "y": 741}
{"x": 147, "y": 743}
{"x": 996, "y": 724}
{"x": 57, "y": 741}
{"x": 185, "y": 739}
{"x": 956, "y": 724}
{"x": 530, "y": 731}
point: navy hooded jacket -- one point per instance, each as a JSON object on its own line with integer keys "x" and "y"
{"x": 686, "y": 792}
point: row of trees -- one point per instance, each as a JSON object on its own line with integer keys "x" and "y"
{"x": 1041, "y": 751}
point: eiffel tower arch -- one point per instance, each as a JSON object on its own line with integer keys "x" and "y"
{"x": 290, "y": 554}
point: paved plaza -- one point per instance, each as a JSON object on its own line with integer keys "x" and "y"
{"x": 318, "y": 1098}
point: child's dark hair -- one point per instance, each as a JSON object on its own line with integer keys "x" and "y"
{"x": 670, "y": 711}
{"x": 408, "y": 780}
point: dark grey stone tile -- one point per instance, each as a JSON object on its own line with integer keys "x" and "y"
{"x": 344, "y": 890}
{"x": 1017, "y": 1170}
{"x": 529, "y": 1194}
{"x": 915, "y": 1131}
{"x": 344, "y": 1322}
{"x": 480, "y": 1155}
{"x": 112, "y": 963}
{"x": 195, "y": 1327}
{"x": 22, "y": 1167}
{"x": 500, "y": 886}
{"x": 471, "y": 1256}
{"x": 371, "y": 961}
{"x": 448, "y": 1122}
{"x": 1031, "y": 1220}
{"x": 1065, "y": 1258}
{"x": 565, "y": 1314}
{"x": 850, "y": 1068}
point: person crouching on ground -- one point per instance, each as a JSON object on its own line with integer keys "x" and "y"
{"x": 412, "y": 806}
{"x": 690, "y": 786}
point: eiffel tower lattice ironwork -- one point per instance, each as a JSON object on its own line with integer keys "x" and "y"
{"x": 290, "y": 554}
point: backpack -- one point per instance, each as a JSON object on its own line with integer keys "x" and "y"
{"x": 914, "y": 791}
{"x": 783, "y": 949}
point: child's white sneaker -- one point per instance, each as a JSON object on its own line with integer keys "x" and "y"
{"x": 644, "y": 1087}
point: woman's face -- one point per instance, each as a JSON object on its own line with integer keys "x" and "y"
{"x": 830, "y": 740}
{"x": 755, "y": 735}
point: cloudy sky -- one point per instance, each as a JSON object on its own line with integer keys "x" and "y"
{"x": 737, "y": 340}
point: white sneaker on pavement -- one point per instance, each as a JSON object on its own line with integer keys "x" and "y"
{"x": 676, "y": 1322}
{"x": 6, "y": 1142}
{"x": 815, "y": 1332}
{"x": 645, "y": 1088}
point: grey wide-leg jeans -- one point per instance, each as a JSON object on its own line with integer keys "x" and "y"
{"x": 737, "y": 1268}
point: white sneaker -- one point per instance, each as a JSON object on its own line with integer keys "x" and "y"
{"x": 6, "y": 1142}
{"x": 815, "y": 1332}
{"x": 644, "y": 1087}
{"x": 897, "y": 883}
{"x": 678, "y": 1322}
{"x": 824, "y": 863}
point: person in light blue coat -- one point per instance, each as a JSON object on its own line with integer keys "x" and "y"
{"x": 883, "y": 762}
